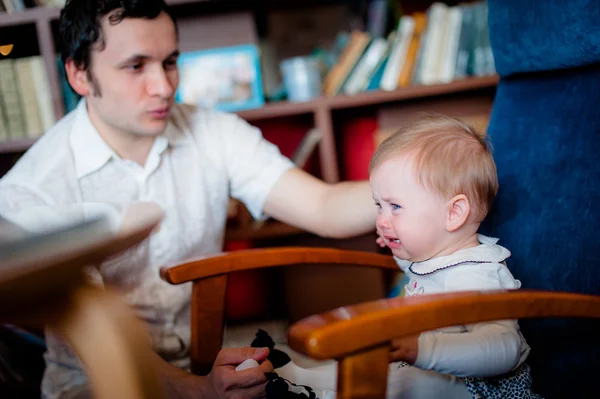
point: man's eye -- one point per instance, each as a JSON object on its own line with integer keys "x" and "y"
{"x": 171, "y": 64}
{"x": 396, "y": 207}
{"x": 135, "y": 67}
{"x": 378, "y": 205}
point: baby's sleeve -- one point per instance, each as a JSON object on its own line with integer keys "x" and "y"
{"x": 485, "y": 349}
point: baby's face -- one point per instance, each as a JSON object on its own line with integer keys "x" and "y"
{"x": 411, "y": 219}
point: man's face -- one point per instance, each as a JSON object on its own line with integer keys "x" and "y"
{"x": 134, "y": 76}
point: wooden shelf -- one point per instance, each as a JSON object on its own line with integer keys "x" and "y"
{"x": 285, "y": 108}
{"x": 29, "y": 16}
{"x": 412, "y": 92}
{"x": 258, "y": 231}
{"x": 16, "y": 145}
{"x": 32, "y": 15}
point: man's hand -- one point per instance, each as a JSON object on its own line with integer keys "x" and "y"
{"x": 405, "y": 349}
{"x": 227, "y": 383}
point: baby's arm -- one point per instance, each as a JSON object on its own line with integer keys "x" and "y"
{"x": 485, "y": 349}
{"x": 488, "y": 349}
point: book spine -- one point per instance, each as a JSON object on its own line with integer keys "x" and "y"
{"x": 464, "y": 43}
{"x": 3, "y": 123}
{"x": 12, "y": 102}
{"x": 408, "y": 70}
{"x": 406, "y": 27}
{"x": 29, "y": 103}
{"x": 44, "y": 96}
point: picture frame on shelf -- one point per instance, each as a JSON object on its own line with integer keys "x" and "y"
{"x": 227, "y": 79}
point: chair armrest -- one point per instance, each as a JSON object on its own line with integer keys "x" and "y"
{"x": 346, "y": 330}
{"x": 202, "y": 267}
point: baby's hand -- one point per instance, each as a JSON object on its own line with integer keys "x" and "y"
{"x": 405, "y": 349}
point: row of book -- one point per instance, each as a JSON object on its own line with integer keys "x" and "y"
{"x": 443, "y": 44}
{"x": 25, "y": 98}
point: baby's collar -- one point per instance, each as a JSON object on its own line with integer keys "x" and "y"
{"x": 487, "y": 252}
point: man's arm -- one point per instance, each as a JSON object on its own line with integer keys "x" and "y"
{"x": 330, "y": 210}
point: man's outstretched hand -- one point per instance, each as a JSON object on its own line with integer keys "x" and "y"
{"x": 227, "y": 383}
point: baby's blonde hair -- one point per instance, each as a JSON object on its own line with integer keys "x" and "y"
{"x": 450, "y": 156}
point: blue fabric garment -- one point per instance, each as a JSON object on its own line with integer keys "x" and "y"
{"x": 545, "y": 132}
{"x": 542, "y": 35}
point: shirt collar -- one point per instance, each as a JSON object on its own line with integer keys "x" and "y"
{"x": 90, "y": 151}
{"x": 487, "y": 252}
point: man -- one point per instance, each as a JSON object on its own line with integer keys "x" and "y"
{"x": 126, "y": 142}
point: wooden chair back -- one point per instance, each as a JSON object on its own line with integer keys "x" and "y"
{"x": 209, "y": 284}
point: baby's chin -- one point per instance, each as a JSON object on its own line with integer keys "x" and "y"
{"x": 402, "y": 255}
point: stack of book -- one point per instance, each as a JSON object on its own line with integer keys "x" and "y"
{"x": 25, "y": 99}
{"x": 443, "y": 44}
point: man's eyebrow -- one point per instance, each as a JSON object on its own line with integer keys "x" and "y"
{"x": 174, "y": 54}
{"x": 143, "y": 57}
{"x": 134, "y": 58}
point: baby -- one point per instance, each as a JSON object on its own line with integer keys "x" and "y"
{"x": 433, "y": 183}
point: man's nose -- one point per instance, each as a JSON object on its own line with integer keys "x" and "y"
{"x": 159, "y": 84}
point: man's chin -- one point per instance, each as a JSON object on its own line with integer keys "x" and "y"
{"x": 153, "y": 129}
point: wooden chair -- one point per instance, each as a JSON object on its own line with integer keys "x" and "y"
{"x": 42, "y": 278}
{"x": 209, "y": 283}
{"x": 357, "y": 336}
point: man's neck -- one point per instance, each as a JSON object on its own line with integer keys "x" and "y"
{"x": 129, "y": 147}
{"x": 126, "y": 145}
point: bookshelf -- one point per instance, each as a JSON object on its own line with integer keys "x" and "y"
{"x": 200, "y": 22}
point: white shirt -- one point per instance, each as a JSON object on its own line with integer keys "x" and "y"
{"x": 482, "y": 349}
{"x": 203, "y": 158}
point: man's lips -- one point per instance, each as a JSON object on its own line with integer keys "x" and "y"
{"x": 160, "y": 112}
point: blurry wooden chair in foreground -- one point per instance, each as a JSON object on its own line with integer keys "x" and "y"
{"x": 358, "y": 336}
{"x": 42, "y": 282}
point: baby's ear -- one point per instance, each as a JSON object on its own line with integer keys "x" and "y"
{"x": 459, "y": 210}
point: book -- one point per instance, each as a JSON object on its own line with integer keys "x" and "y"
{"x": 361, "y": 75}
{"x": 450, "y": 45}
{"x": 407, "y": 71}
{"x": 465, "y": 42}
{"x": 337, "y": 75}
{"x": 44, "y": 95}
{"x": 11, "y": 99}
{"x": 398, "y": 52}
{"x": 23, "y": 68}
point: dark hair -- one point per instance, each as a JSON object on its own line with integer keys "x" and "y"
{"x": 80, "y": 27}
